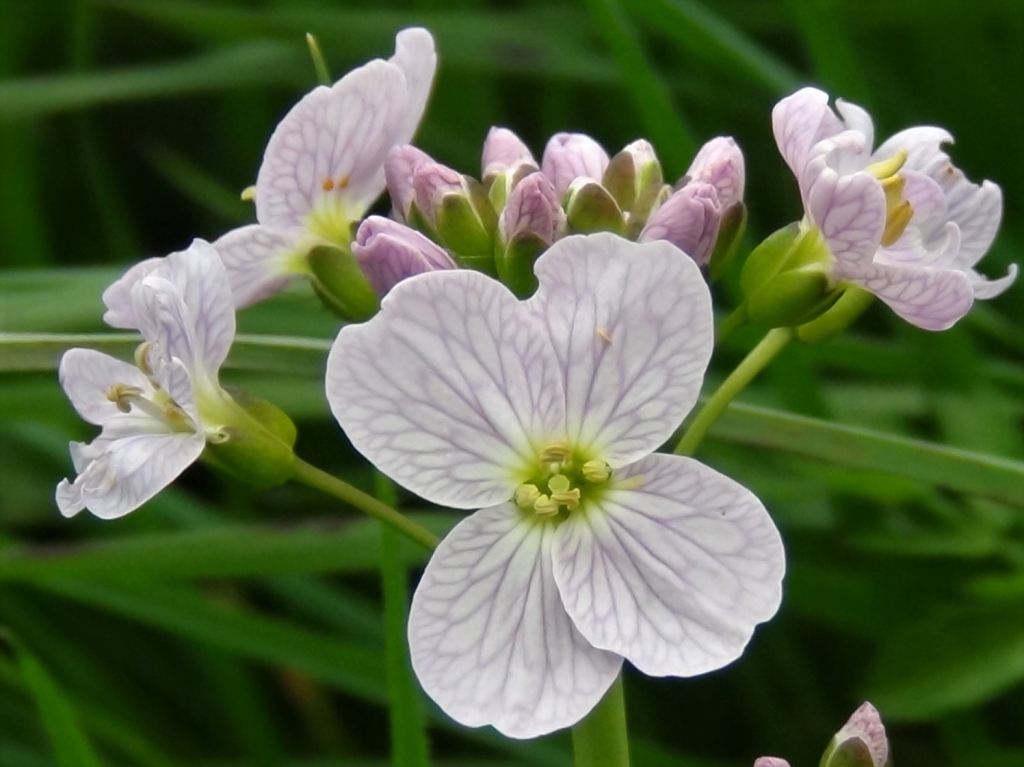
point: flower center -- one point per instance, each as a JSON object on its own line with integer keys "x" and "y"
{"x": 159, "y": 406}
{"x": 561, "y": 482}
{"x": 898, "y": 211}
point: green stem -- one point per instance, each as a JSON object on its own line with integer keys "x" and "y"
{"x": 601, "y": 740}
{"x": 310, "y": 475}
{"x": 734, "y": 320}
{"x": 769, "y": 347}
{"x": 408, "y": 740}
{"x": 322, "y": 73}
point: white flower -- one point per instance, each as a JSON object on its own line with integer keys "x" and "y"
{"x": 901, "y": 221}
{"x": 589, "y": 547}
{"x": 157, "y": 415}
{"x": 322, "y": 169}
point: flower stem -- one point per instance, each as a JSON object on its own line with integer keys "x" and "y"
{"x": 600, "y": 740}
{"x": 769, "y": 347}
{"x": 310, "y": 475}
{"x": 731, "y": 322}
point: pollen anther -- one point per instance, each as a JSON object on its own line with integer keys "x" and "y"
{"x": 596, "y": 471}
{"x": 555, "y": 453}
{"x": 545, "y": 506}
{"x": 526, "y": 495}
{"x": 885, "y": 168}
{"x": 327, "y": 185}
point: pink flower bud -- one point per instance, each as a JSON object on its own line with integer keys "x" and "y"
{"x": 388, "y": 252}
{"x": 720, "y": 163}
{"x": 503, "y": 151}
{"x": 431, "y": 183}
{"x": 569, "y": 156}
{"x": 533, "y": 209}
{"x": 399, "y": 169}
{"x": 689, "y": 219}
{"x": 771, "y": 761}
{"x": 866, "y": 725}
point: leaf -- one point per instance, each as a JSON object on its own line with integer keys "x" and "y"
{"x": 70, "y": 745}
{"x": 953, "y": 658}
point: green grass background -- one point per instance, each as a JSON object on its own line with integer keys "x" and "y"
{"x": 217, "y": 626}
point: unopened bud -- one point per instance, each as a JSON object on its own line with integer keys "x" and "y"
{"x": 528, "y": 225}
{"x": 389, "y": 252}
{"x": 340, "y": 283}
{"x": 770, "y": 761}
{"x": 504, "y": 151}
{"x": 569, "y": 156}
{"x": 860, "y": 743}
{"x": 720, "y": 163}
{"x": 400, "y": 168}
{"x": 590, "y": 207}
{"x": 632, "y": 173}
{"x": 730, "y": 231}
{"x": 689, "y": 220}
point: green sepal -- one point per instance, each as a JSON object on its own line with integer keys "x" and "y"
{"x": 730, "y": 232}
{"x": 792, "y": 297}
{"x": 515, "y": 264}
{"x": 851, "y": 304}
{"x": 254, "y": 444}
{"x": 768, "y": 259}
{"x": 340, "y": 283}
{"x": 620, "y": 179}
{"x": 852, "y": 752}
{"x": 591, "y": 208}
{"x": 466, "y": 225}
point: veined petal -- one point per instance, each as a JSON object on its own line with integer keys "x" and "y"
{"x": 257, "y": 261}
{"x": 329, "y": 149}
{"x": 389, "y": 252}
{"x": 672, "y": 569}
{"x": 631, "y": 325}
{"x": 689, "y": 219}
{"x": 503, "y": 150}
{"x": 932, "y": 299}
{"x": 850, "y": 211}
{"x": 720, "y": 163}
{"x": 416, "y": 57}
{"x": 489, "y": 638}
{"x": 87, "y": 376}
{"x": 400, "y": 168}
{"x": 799, "y": 122}
{"x": 130, "y": 471}
{"x": 451, "y": 390}
{"x": 978, "y": 211}
{"x": 186, "y": 305}
{"x": 118, "y": 296}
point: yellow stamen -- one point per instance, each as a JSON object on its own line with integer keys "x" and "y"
{"x": 142, "y": 359}
{"x": 122, "y": 396}
{"x": 893, "y": 187}
{"x": 896, "y": 222}
{"x": 604, "y": 335}
{"x": 249, "y": 193}
{"x": 545, "y": 506}
{"x": 555, "y": 453}
{"x": 526, "y": 495}
{"x": 596, "y": 471}
{"x": 885, "y": 168}
{"x": 568, "y": 498}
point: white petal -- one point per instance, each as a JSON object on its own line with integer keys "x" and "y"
{"x": 673, "y": 568}
{"x": 129, "y": 472}
{"x": 632, "y": 327}
{"x": 850, "y": 211}
{"x": 416, "y": 57}
{"x": 87, "y": 376}
{"x": 489, "y": 638}
{"x": 799, "y": 122}
{"x": 186, "y": 305}
{"x": 978, "y": 211}
{"x": 985, "y": 288}
{"x": 857, "y": 118}
{"x": 921, "y": 143}
{"x": 329, "y": 149}
{"x": 932, "y": 299}
{"x": 450, "y": 390}
{"x": 257, "y": 261}
{"x": 118, "y": 296}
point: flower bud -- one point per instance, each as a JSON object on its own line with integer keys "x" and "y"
{"x": 787, "y": 280}
{"x": 720, "y": 163}
{"x": 400, "y": 167}
{"x": 340, "y": 283}
{"x": 530, "y": 222}
{"x": 730, "y": 231}
{"x": 632, "y": 175}
{"x": 254, "y": 443}
{"x": 388, "y": 252}
{"x": 771, "y": 761}
{"x": 860, "y": 743}
{"x": 457, "y": 208}
{"x": 568, "y": 156}
{"x": 590, "y": 207}
{"x": 689, "y": 219}
{"x": 504, "y": 151}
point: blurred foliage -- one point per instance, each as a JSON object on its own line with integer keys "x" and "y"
{"x": 220, "y": 627}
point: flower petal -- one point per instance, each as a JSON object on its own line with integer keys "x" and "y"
{"x": 720, "y": 163}
{"x": 503, "y": 150}
{"x": 329, "y": 149}
{"x": 672, "y": 568}
{"x": 87, "y": 376}
{"x": 569, "y": 156}
{"x": 489, "y": 638}
{"x": 450, "y": 390}
{"x": 632, "y": 327}
{"x": 400, "y": 168}
{"x": 416, "y": 57}
{"x": 985, "y": 288}
{"x": 118, "y": 296}
{"x": 389, "y": 252}
{"x": 689, "y": 219}
{"x": 129, "y": 472}
{"x": 186, "y": 305}
{"x": 932, "y": 299}
{"x": 799, "y": 122}
{"x": 857, "y": 118}
{"x": 256, "y": 258}
{"x": 978, "y": 211}
{"x": 850, "y": 211}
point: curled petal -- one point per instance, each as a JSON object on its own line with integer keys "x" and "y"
{"x": 118, "y": 296}
{"x": 569, "y": 156}
{"x": 489, "y": 638}
{"x": 129, "y": 471}
{"x": 689, "y": 219}
{"x": 932, "y": 299}
{"x": 799, "y": 122}
{"x": 720, "y": 163}
{"x": 857, "y": 118}
{"x": 416, "y": 57}
{"x": 389, "y": 252}
{"x": 985, "y": 288}
{"x": 87, "y": 376}
{"x": 978, "y": 211}
{"x": 257, "y": 260}
{"x": 631, "y": 325}
{"x": 503, "y": 150}
{"x": 672, "y": 568}
{"x": 399, "y": 169}
{"x": 533, "y": 207}
{"x": 450, "y": 389}
{"x": 922, "y": 144}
